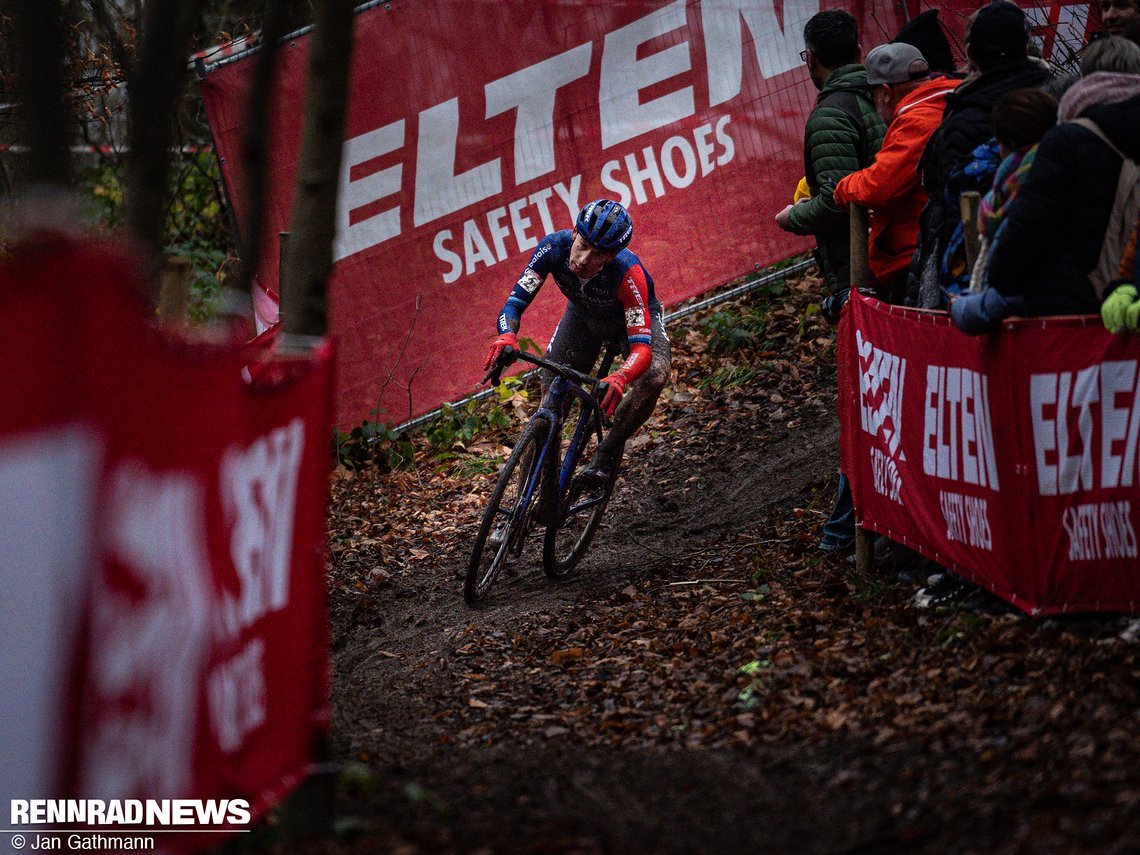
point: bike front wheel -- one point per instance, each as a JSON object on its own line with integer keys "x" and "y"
{"x": 506, "y": 519}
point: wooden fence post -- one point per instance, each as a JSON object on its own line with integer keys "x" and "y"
{"x": 860, "y": 238}
{"x": 968, "y": 208}
{"x": 860, "y": 226}
{"x": 174, "y": 291}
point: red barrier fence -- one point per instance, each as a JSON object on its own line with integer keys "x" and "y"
{"x": 163, "y": 528}
{"x": 1012, "y": 458}
{"x": 474, "y": 129}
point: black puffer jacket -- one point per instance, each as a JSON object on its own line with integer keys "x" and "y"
{"x": 1055, "y": 228}
{"x": 967, "y": 122}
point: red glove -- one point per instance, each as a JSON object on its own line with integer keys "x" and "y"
{"x": 507, "y": 338}
{"x": 615, "y": 388}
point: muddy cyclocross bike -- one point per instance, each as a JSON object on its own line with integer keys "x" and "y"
{"x": 541, "y": 485}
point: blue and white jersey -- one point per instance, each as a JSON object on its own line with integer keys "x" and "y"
{"x": 620, "y": 293}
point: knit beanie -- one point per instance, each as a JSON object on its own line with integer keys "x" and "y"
{"x": 999, "y": 33}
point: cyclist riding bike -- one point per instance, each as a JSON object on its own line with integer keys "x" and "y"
{"x": 610, "y": 300}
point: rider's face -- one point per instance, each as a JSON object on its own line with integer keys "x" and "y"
{"x": 585, "y": 261}
{"x": 1115, "y": 15}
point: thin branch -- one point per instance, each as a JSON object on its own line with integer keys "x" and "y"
{"x": 108, "y": 32}
{"x": 399, "y": 359}
{"x": 411, "y": 380}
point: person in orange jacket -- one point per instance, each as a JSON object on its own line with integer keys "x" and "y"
{"x": 911, "y": 102}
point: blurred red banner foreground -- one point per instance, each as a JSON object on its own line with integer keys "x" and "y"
{"x": 1012, "y": 458}
{"x": 163, "y": 527}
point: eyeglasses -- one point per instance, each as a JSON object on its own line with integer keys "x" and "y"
{"x": 803, "y": 55}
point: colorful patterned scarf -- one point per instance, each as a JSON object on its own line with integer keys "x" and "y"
{"x": 1007, "y": 181}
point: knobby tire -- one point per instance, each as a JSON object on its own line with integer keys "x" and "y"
{"x": 482, "y": 569}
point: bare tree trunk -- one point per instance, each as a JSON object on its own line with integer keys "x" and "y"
{"x": 258, "y": 129}
{"x": 154, "y": 86}
{"x": 312, "y": 227}
{"x": 40, "y": 49}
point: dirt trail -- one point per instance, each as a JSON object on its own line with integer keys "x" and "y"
{"x": 675, "y": 512}
{"x": 706, "y": 681}
{"x": 396, "y": 690}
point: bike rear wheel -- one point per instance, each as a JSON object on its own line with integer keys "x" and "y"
{"x": 507, "y": 517}
{"x": 580, "y": 514}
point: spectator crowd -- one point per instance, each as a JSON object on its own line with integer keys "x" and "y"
{"x": 999, "y": 188}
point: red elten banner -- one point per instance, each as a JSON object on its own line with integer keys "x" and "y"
{"x": 476, "y": 128}
{"x": 1011, "y": 458}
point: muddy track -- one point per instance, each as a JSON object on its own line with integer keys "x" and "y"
{"x": 605, "y": 713}
{"x": 676, "y": 511}
{"x": 394, "y": 663}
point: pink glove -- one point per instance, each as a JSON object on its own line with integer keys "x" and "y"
{"x": 507, "y": 338}
{"x": 615, "y": 388}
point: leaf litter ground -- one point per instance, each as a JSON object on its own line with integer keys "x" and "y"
{"x": 707, "y": 681}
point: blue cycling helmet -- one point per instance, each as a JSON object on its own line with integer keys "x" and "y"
{"x": 604, "y": 224}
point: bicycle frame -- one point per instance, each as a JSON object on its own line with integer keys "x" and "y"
{"x": 550, "y": 411}
{"x": 541, "y": 479}
{"x": 565, "y": 382}
{"x": 588, "y": 422}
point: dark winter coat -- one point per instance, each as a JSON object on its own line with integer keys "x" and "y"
{"x": 968, "y": 121}
{"x": 1055, "y": 228}
{"x": 842, "y": 135}
{"x": 966, "y": 124}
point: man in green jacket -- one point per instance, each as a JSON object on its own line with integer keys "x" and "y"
{"x": 842, "y": 136}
